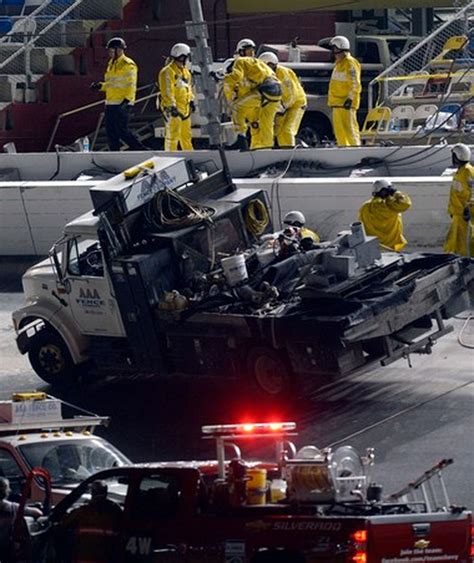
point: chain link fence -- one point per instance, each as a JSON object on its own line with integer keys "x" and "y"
{"x": 442, "y": 60}
{"x": 44, "y": 32}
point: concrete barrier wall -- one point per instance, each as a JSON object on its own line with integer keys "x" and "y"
{"x": 331, "y": 204}
{"x": 33, "y": 214}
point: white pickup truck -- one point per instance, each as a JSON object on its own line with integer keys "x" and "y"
{"x": 34, "y": 433}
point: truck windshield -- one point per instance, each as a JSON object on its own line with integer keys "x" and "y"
{"x": 72, "y": 461}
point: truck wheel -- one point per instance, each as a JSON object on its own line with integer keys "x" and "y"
{"x": 314, "y": 129}
{"x": 269, "y": 370}
{"x": 50, "y": 358}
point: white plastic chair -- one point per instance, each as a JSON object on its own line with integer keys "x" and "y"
{"x": 402, "y": 118}
{"x": 21, "y": 28}
{"x": 422, "y": 114}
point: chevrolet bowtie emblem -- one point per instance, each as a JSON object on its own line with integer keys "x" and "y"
{"x": 422, "y": 544}
{"x": 257, "y": 526}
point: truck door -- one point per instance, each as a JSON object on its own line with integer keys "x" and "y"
{"x": 91, "y": 300}
{"x": 157, "y": 518}
{"x": 10, "y": 469}
{"x": 87, "y": 523}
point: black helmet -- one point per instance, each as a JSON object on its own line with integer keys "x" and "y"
{"x": 116, "y": 43}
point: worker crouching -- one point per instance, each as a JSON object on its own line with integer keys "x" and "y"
{"x": 293, "y": 102}
{"x": 381, "y": 215}
{"x": 461, "y": 206}
{"x": 254, "y": 94}
{"x": 176, "y": 99}
{"x": 344, "y": 93}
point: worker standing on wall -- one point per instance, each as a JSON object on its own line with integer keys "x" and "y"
{"x": 120, "y": 87}
{"x": 381, "y": 215}
{"x": 293, "y": 102}
{"x": 177, "y": 99}
{"x": 344, "y": 93}
{"x": 254, "y": 93}
{"x": 460, "y": 206}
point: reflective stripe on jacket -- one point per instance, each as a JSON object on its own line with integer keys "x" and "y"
{"x": 345, "y": 83}
{"x": 175, "y": 84}
{"x": 120, "y": 81}
{"x": 291, "y": 88}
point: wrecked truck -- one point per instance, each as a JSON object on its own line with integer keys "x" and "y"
{"x": 177, "y": 271}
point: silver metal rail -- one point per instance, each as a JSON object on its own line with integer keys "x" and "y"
{"x": 87, "y": 107}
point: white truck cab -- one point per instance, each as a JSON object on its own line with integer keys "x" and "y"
{"x": 68, "y": 294}
{"x": 33, "y": 433}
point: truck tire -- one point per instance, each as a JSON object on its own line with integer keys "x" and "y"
{"x": 314, "y": 129}
{"x": 50, "y": 358}
{"x": 269, "y": 370}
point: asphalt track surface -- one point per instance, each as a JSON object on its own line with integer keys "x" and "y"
{"x": 413, "y": 417}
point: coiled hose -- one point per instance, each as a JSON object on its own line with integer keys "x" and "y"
{"x": 169, "y": 210}
{"x": 256, "y": 217}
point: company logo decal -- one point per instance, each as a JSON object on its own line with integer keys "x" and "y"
{"x": 422, "y": 544}
{"x": 89, "y": 298}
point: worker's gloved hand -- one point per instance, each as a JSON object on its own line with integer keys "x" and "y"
{"x": 192, "y": 106}
{"x": 174, "y": 111}
{"x": 347, "y": 104}
{"x": 125, "y": 104}
{"x": 95, "y": 86}
{"x": 466, "y": 214}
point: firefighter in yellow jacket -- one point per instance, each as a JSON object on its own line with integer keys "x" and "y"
{"x": 120, "y": 86}
{"x": 461, "y": 205}
{"x": 177, "y": 99}
{"x": 382, "y": 215}
{"x": 253, "y": 92}
{"x": 344, "y": 93}
{"x": 293, "y": 102}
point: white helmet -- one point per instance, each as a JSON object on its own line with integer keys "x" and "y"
{"x": 462, "y": 152}
{"x": 180, "y": 50}
{"x": 294, "y": 218}
{"x": 244, "y": 44}
{"x": 340, "y": 42}
{"x": 269, "y": 58}
{"x": 380, "y": 185}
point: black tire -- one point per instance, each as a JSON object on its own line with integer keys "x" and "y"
{"x": 314, "y": 129}
{"x": 269, "y": 370}
{"x": 50, "y": 358}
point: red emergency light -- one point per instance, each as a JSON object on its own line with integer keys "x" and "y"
{"x": 472, "y": 543}
{"x": 249, "y": 428}
{"x": 359, "y": 555}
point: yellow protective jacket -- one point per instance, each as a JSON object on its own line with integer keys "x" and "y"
{"x": 382, "y": 218}
{"x": 120, "y": 81}
{"x": 345, "y": 83}
{"x": 292, "y": 92}
{"x": 247, "y": 73}
{"x": 461, "y": 189}
{"x": 308, "y": 233}
{"x": 175, "y": 83}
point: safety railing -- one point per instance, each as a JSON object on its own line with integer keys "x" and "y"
{"x": 143, "y": 99}
{"x": 447, "y": 47}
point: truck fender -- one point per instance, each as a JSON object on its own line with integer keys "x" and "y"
{"x": 38, "y": 316}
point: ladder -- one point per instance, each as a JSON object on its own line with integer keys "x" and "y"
{"x": 428, "y": 490}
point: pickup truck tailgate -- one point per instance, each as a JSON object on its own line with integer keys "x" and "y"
{"x": 441, "y": 537}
